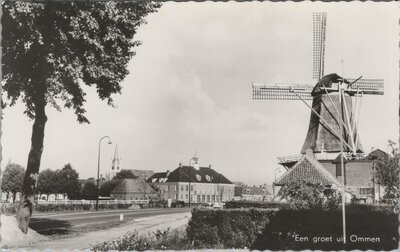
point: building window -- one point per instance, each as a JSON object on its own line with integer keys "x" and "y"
{"x": 187, "y": 188}
{"x": 187, "y": 196}
{"x": 203, "y": 198}
{"x": 191, "y": 188}
{"x": 198, "y": 198}
{"x": 181, "y": 187}
{"x": 217, "y": 198}
{"x": 176, "y": 196}
{"x": 366, "y": 191}
{"x": 176, "y": 188}
{"x": 208, "y": 198}
{"x": 213, "y": 198}
{"x": 181, "y": 196}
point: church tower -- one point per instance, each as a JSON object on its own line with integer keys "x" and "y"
{"x": 195, "y": 162}
{"x": 115, "y": 165}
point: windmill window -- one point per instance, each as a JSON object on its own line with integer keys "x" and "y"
{"x": 338, "y": 170}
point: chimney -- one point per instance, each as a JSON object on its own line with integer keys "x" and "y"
{"x": 180, "y": 165}
{"x": 168, "y": 172}
{"x": 372, "y": 149}
{"x": 209, "y": 166}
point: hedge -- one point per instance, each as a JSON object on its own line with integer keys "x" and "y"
{"x": 12, "y": 208}
{"x": 362, "y": 221}
{"x": 256, "y": 204}
{"x": 283, "y": 229}
{"x": 231, "y": 228}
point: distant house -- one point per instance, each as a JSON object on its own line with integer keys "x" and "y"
{"x": 203, "y": 184}
{"x": 133, "y": 189}
{"x": 252, "y": 193}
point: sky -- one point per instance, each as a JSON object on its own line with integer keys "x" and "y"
{"x": 189, "y": 90}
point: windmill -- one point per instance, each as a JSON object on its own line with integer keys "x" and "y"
{"x": 334, "y": 120}
{"x": 327, "y": 114}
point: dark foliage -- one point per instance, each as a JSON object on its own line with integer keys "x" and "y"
{"x": 107, "y": 187}
{"x": 256, "y": 204}
{"x": 306, "y": 195}
{"x": 12, "y": 179}
{"x": 125, "y": 174}
{"x": 234, "y": 228}
{"x": 89, "y": 190}
{"x": 362, "y": 221}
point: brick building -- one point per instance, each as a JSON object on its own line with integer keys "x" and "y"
{"x": 133, "y": 189}
{"x": 203, "y": 184}
{"x": 358, "y": 175}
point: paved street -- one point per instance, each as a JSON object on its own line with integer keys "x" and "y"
{"x": 158, "y": 221}
{"x": 62, "y": 223}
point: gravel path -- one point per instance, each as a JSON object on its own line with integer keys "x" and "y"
{"x": 88, "y": 240}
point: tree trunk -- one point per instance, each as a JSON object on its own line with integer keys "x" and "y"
{"x": 32, "y": 169}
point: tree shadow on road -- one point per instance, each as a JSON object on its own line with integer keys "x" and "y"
{"x": 46, "y": 226}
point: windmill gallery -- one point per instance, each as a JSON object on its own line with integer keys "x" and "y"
{"x": 332, "y": 153}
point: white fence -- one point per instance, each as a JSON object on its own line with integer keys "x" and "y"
{"x": 92, "y": 202}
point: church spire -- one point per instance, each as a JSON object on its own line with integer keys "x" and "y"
{"x": 115, "y": 162}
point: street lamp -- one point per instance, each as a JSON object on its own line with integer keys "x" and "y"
{"x": 98, "y": 170}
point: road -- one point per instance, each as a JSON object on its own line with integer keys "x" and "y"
{"x": 64, "y": 223}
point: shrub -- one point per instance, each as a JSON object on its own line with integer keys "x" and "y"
{"x": 130, "y": 241}
{"x": 9, "y": 208}
{"x": 76, "y": 207}
{"x": 160, "y": 240}
{"x": 234, "y": 228}
{"x": 256, "y": 204}
{"x": 307, "y": 195}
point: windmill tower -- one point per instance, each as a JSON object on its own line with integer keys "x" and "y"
{"x": 336, "y": 102}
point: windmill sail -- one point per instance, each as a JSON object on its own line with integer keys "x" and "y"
{"x": 263, "y": 91}
{"x": 319, "y": 36}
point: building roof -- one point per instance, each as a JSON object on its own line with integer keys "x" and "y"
{"x": 136, "y": 185}
{"x": 310, "y": 170}
{"x": 255, "y": 190}
{"x": 378, "y": 154}
{"x": 189, "y": 173}
{"x": 144, "y": 174}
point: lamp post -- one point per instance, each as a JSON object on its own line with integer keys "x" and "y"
{"x": 189, "y": 182}
{"x": 98, "y": 170}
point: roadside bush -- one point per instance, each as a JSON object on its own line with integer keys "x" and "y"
{"x": 256, "y": 204}
{"x": 128, "y": 242}
{"x": 76, "y": 207}
{"x": 233, "y": 228}
{"x": 160, "y": 240}
{"x": 9, "y": 208}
